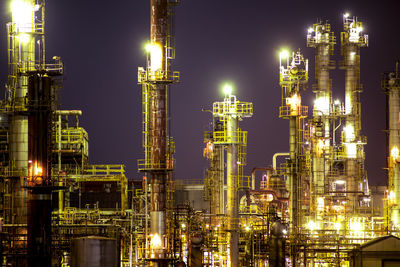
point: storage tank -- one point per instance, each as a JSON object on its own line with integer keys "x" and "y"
{"x": 94, "y": 251}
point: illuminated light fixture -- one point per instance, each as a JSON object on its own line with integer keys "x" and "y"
{"x": 340, "y": 182}
{"x": 24, "y": 38}
{"x": 310, "y": 30}
{"x": 247, "y": 228}
{"x": 22, "y": 15}
{"x": 351, "y": 150}
{"x": 321, "y": 104}
{"x": 156, "y": 241}
{"x": 183, "y": 226}
{"x": 395, "y": 154}
{"x": 320, "y": 203}
{"x": 346, "y": 15}
{"x": 284, "y": 54}
{"x": 349, "y": 132}
{"x": 337, "y": 102}
{"x": 294, "y": 102}
{"x": 227, "y": 89}
{"x": 284, "y": 231}
{"x": 337, "y": 226}
{"x": 156, "y": 56}
{"x": 355, "y": 225}
{"x": 311, "y": 225}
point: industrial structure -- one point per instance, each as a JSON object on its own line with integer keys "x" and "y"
{"x": 314, "y": 209}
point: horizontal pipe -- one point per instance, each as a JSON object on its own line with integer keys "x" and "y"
{"x": 278, "y": 155}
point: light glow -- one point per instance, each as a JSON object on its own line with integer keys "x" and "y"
{"x": 321, "y": 204}
{"x": 294, "y": 102}
{"x": 284, "y": 54}
{"x": 311, "y": 225}
{"x": 351, "y": 150}
{"x": 227, "y": 89}
{"x": 156, "y": 241}
{"x": 321, "y": 104}
{"x": 22, "y": 15}
{"x": 156, "y": 57}
{"x": 395, "y": 154}
{"x": 24, "y": 38}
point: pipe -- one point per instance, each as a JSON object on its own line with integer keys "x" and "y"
{"x": 253, "y": 174}
{"x": 279, "y": 154}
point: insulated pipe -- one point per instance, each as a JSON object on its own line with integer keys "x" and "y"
{"x": 158, "y": 128}
{"x": 392, "y": 88}
{"x": 279, "y": 154}
{"x": 253, "y": 174}
{"x": 232, "y": 192}
{"x": 293, "y": 172}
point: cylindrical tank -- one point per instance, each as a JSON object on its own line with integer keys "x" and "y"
{"x": 94, "y": 251}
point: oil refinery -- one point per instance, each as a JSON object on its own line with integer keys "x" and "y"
{"x": 311, "y": 205}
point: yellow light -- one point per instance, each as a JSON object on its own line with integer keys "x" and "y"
{"x": 351, "y": 150}
{"x": 156, "y": 56}
{"x": 284, "y": 54}
{"x": 294, "y": 102}
{"x": 395, "y": 154}
{"x": 227, "y": 89}
{"x": 349, "y": 132}
{"x": 24, "y": 38}
{"x": 321, "y": 104}
{"x": 311, "y": 225}
{"x": 247, "y": 228}
{"x": 346, "y": 15}
{"x": 340, "y": 182}
{"x": 22, "y": 14}
{"x": 321, "y": 203}
{"x": 337, "y": 226}
{"x": 356, "y": 225}
{"x": 310, "y": 30}
{"x": 391, "y": 197}
{"x": 183, "y": 226}
{"x": 156, "y": 241}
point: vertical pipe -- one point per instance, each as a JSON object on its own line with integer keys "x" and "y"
{"x": 293, "y": 172}
{"x": 39, "y": 175}
{"x": 353, "y": 118}
{"x": 232, "y": 192}
{"x": 158, "y": 125}
{"x": 392, "y": 86}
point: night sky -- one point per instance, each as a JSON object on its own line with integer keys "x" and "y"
{"x": 101, "y": 43}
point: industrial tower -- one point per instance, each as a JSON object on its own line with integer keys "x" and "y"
{"x": 352, "y": 39}
{"x": 391, "y": 87}
{"x": 157, "y": 145}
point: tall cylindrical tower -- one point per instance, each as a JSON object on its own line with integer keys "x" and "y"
{"x": 158, "y": 148}
{"x": 23, "y": 33}
{"x": 352, "y": 39}
{"x": 293, "y": 79}
{"x": 391, "y": 87}
{"x": 230, "y": 112}
{"x": 323, "y": 40}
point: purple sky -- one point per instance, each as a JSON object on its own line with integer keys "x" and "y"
{"x": 101, "y": 44}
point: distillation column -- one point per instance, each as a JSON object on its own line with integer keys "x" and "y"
{"x": 40, "y": 104}
{"x": 231, "y": 111}
{"x": 293, "y": 79}
{"x": 352, "y": 38}
{"x": 322, "y": 39}
{"x": 158, "y": 161}
{"x": 21, "y": 47}
{"x": 391, "y": 87}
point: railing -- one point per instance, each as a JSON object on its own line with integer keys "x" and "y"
{"x": 105, "y": 170}
{"x": 147, "y": 165}
{"x": 243, "y": 109}
{"x": 287, "y": 111}
{"x": 157, "y": 76}
{"x": 237, "y": 137}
